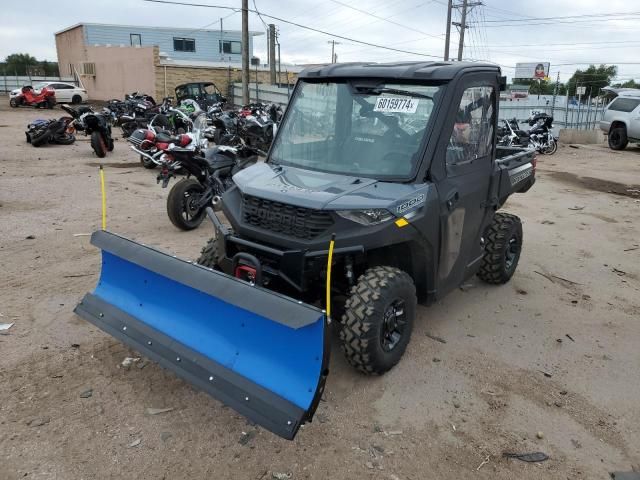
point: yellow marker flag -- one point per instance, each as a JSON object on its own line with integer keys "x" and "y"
{"x": 104, "y": 199}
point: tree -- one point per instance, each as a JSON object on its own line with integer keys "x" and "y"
{"x": 20, "y": 63}
{"x": 593, "y": 79}
{"x": 628, "y": 84}
{"x": 541, "y": 88}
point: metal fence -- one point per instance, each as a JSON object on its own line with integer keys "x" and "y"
{"x": 263, "y": 93}
{"x": 11, "y": 82}
{"x": 581, "y": 116}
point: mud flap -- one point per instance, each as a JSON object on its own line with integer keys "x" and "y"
{"x": 263, "y": 354}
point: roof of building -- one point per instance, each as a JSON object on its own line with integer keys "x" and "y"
{"x": 165, "y": 61}
{"x": 400, "y": 70}
{"x": 174, "y": 29}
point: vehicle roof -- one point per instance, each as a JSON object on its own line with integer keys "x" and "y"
{"x": 635, "y": 93}
{"x": 195, "y": 83}
{"x": 397, "y": 70}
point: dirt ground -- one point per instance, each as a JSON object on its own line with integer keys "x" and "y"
{"x": 555, "y": 351}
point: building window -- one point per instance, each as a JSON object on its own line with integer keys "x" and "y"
{"x": 184, "y": 44}
{"x": 230, "y": 47}
{"x": 136, "y": 39}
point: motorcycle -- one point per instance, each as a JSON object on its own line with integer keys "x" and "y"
{"x": 98, "y": 126}
{"x": 57, "y": 131}
{"x": 209, "y": 170}
{"x": 136, "y": 111}
{"x": 538, "y": 138}
{"x": 28, "y": 97}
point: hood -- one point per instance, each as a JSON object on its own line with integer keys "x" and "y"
{"x": 320, "y": 190}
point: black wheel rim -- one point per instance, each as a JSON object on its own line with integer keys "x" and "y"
{"x": 393, "y": 325}
{"x": 615, "y": 138}
{"x": 512, "y": 252}
{"x": 190, "y": 211}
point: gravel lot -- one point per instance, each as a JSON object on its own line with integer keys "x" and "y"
{"x": 553, "y": 354}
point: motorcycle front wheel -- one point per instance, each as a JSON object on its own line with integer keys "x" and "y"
{"x": 550, "y": 148}
{"x": 182, "y": 204}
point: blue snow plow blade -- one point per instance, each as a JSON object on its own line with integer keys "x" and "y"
{"x": 261, "y": 353}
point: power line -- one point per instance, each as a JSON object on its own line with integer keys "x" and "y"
{"x": 439, "y": 37}
{"x": 279, "y": 19}
{"x": 565, "y": 17}
{"x": 568, "y": 22}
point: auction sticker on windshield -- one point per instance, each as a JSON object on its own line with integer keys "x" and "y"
{"x": 395, "y": 105}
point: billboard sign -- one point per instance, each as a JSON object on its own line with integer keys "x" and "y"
{"x": 536, "y": 71}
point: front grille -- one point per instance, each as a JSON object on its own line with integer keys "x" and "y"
{"x": 299, "y": 222}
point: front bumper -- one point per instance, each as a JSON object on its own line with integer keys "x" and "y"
{"x": 296, "y": 267}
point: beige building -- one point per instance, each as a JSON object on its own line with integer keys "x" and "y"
{"x": 111, "y": 60}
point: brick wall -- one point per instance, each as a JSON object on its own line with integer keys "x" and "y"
{"x": 170, "y": 76}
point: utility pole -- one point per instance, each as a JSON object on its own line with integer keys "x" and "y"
{"x": 333, "y": 44}
{"x": 464, "y": 7}
{"x": 245, "y": 52}
{"x": 448, "y": 35}
{"x": 555, "y": 93}
{"x": 463, "y": 27}
{"x": 220, "y": 43}
{"x": 272, "y": 53}
{"x": 279, "y": 70}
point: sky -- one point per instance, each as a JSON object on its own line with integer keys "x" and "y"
{"x": 565, "y": 33}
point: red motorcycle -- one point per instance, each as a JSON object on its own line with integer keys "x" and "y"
{"x": 29, "y": 98}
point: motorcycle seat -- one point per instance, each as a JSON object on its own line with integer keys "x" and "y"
{"x": 165, "y": 137}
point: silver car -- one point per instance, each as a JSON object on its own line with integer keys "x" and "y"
{"x": 621, "y": 120}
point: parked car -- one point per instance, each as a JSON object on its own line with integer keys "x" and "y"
{"x": 621, "y": 120}
{"x": 65, "y": 92}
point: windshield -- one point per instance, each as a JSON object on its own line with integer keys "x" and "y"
{"x": 39, "y": 86}
{"x": 351, "y": 129}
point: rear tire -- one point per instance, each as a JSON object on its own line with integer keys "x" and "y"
{"x": 502, "y": 250}
{"x": 98, "y": 144}
{"x": 179, "y": 202}
{"x": 378, "y": 319}
{"x": 209, "y": 255}
{"x": 618, "y": 138}
{"x": 13, "y": 103}
{"x": 51, "y": 103}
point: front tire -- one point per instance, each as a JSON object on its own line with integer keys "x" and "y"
{"x": 98, "y": 144}
{"x": 13, "y": 103}
{"x": 502, "y": 249}
{"x": 552, "y": 148}
{"x": 378, "y": 319}
{"x": 181, "y": 204}
{"x": 76, "y": 99}
{"x": 209, "y": 255}
{"x": 618, "y": 138}
{"x": 146, "y": 163}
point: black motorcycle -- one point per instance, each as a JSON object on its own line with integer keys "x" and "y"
{"x": 98, "y": 126}
{"x": 209, "y": 175}
{"x": 57, "y": 131}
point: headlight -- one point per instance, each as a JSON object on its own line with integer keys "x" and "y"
{"x": 366, "y": 217}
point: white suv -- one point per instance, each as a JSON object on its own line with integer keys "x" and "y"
{"x": 621, "y": 120}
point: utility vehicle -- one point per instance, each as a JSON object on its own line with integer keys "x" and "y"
{"x": 381, "y": 190}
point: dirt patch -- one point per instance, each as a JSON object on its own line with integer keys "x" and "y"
{"x": 597, "y": 184}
